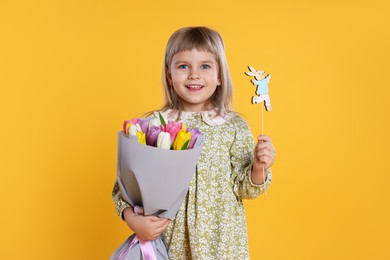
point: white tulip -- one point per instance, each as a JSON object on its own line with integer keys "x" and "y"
{"x": 164, "y": 140}
{"x": 134, "y": 128}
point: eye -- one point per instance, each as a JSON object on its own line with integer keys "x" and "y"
{"x": 183, "y": 66}
{"x": 205, "y": 66}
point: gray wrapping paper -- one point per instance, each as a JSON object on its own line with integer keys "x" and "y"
{"x": 134, "y": 253}
{"x": 155, "y": 179}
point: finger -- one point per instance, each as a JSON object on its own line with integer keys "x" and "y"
{"x": 152, "y": 218}
{"x": 159, "y": 222}
{"x": 163, "y": 226}
{"x": 266, "y": 160}
{"x": 162, "y": 222}
{"x": 265, "y": 152}
{"x": 264, "y": 138}
{"x": 159, "y": 230}
{"x": 265, "y": 142}
{"x": 265, "y": 155}
{"x": 265, "y": 149}
{"x": 265, "y": 145}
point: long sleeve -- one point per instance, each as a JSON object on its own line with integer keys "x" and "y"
{"x": 119, "y": 203}
{"x": 242, "y": 160}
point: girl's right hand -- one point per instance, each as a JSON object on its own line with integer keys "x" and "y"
{"x": 146, "y": 227}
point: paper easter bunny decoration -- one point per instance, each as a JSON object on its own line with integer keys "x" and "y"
{"x": 261, "y": 82}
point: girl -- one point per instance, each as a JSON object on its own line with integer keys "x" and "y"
{"x": 211, "y": 222}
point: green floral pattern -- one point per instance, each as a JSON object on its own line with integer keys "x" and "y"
{"x": 211, "y": 222}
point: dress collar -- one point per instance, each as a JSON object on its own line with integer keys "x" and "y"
{"x": 209, "y": 117}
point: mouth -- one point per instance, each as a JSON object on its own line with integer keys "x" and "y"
{"x": 194, "y": 87}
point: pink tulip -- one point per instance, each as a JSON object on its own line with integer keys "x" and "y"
{"x": 173, "y": 128}
{"x": 134, "y": 120}
{"x": 126, "y": 124}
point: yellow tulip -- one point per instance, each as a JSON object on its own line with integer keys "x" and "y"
{"x": 182, "y": 140}
{"x": 141, "y": 137}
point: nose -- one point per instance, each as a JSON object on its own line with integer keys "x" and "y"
{"x": 193, "y": 74}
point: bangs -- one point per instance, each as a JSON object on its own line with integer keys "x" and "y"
{"x": 193, "y": 38}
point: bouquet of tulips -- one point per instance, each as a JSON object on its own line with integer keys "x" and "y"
{"x": 156, "y": 162}
{"x": 156, "y": 132}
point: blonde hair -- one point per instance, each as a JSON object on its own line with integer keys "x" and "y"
{"x": 201, "y": 39}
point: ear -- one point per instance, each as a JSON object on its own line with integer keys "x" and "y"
{"x": 169, "y": 77}
{"x": 249, "y": 73}
{"x": 251, "y": 69}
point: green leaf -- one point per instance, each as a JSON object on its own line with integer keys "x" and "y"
{"x": 162, "y": 121}
{"x": 185, "y": 145}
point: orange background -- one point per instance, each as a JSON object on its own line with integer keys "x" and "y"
{"x": 72, "y": 71}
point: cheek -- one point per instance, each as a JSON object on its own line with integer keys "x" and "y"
{"x": 178, "y": 77}
{"x": 218, "y": 79}
{"x": 173, "y": 78}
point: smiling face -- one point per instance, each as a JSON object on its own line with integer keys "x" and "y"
{"x": 194, "y": 76}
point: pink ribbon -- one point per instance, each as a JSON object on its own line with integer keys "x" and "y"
{"x": 147, "y": 249}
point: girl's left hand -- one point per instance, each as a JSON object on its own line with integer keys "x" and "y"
{"x": 264, "y": 153}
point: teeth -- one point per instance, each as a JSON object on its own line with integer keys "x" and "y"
{"x": 194, "y": 86}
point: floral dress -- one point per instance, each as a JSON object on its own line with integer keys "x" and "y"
{"x": 211, "y": 222}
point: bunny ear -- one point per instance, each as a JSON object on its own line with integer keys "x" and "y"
{"x": 251, "y": 69}
{"x": 250, "y": 73}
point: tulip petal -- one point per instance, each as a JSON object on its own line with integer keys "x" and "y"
{"x": 132, "y": 130}
{"x": 154, "y": 122}
{"x": 141, "y": 137}
{"x": 181, "y": 138}
{"x": 152, "y": 135}
{"x": 196, "y": 135}
{"x": 164, "y": 141}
